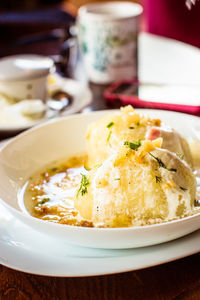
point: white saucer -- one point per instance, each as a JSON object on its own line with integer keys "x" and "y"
{"x": 23, "y": 249}
{"x": 81, "y": 94}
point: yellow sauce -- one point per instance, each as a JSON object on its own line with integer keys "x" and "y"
{"x": 49, "y": 194}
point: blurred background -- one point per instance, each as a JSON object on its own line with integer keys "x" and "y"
{"x": 30, "y": 22}
{"x": 33, "y": 4}
{"x": 46, "y": 27}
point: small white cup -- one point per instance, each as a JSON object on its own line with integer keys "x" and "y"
{"x": 25, "y": 76}
{"x": 108, "y": 34}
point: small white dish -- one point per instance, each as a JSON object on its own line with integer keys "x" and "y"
{"x": 81, "y": 94}
{"x": 25, "y": 76}
{"x": 44, "y": 255}
{"x": 64, "y": 137}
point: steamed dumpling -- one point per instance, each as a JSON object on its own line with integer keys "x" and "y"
{"x": 104, "y": 136}
{"x": 135, "y": 187}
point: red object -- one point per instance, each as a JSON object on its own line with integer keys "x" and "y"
{"x": 171, "y": 18}
{"x": 113, "y": 95}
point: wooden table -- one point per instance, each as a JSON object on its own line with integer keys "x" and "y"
{"x": 178, "y": 280}
{"x": 175, "y": 280}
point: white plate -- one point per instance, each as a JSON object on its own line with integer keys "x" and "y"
{"x": 82, "y": 97}
{"x": 26, "y": 250}
{"x": 64, "y": 137}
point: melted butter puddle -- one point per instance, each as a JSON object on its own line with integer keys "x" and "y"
{"x": 61, "y": 190}
{"x": 51, "y": 197}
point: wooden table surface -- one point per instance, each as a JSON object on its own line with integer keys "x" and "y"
{"x": 175, "y": 280}
{"x": 178, "y": 280}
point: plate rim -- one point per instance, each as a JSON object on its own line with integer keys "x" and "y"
{"x": 116, "y": 268}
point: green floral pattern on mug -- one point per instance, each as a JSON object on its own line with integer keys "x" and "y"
{"x": 108, "y": 47}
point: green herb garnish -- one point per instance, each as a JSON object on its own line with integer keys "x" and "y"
{"x": 171, "y": 169}
{"x": 98, "y": 165}
{"x": 86, "y": 168}
{"x": 158, "y": 179}
{"x": 132, "y": 145}
{"x": 161, "y": 163}
{"x": 108, "y": 138}
{"x": 138, "y": 123}
{"x": 131, "y": 127}
{"x": 54, "y": 169}
{"x": 110, "y": 132}
{"x": 110, "y": 124}
{"x": 83, "y": 186}
{"x": 117, "y": 178}
{"x": 183, "y": 189}
{"x": 180, "y": 155}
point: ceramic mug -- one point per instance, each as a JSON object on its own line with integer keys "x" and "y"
{"x": 108, "y": 34}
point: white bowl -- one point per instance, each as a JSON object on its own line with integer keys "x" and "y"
{"x": 61, "y": 138}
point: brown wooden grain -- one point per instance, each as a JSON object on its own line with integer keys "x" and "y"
{"x": 178, "y": 280}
